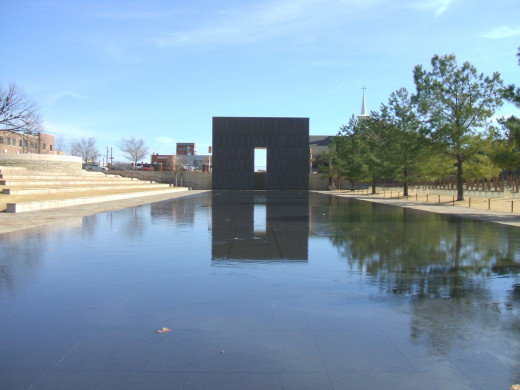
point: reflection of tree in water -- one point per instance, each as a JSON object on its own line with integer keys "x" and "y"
{"x": 134, "y": 223}
{"x": 180, "y": 210}
{"x": 131, "y": 222}
{"x": 447, "y": 267}
{"x": 20, "y": 257}
{"x": 420, "y": 254}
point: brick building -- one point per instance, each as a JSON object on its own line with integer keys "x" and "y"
{"x": 13, "y": 142}
{"x": 186, "y": 149}
{"x": 164, "y": 162}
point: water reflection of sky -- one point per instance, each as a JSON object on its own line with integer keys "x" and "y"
{"x": 374, "y": 295}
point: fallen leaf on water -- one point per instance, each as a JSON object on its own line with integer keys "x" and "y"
{"x": 222, "y": 352}
{"x": 164, "y": 330}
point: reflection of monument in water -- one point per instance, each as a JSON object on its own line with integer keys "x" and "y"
{"x": 260, "y": 225}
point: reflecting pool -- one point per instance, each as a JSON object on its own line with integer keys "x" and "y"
{"x": 261, "y": 290}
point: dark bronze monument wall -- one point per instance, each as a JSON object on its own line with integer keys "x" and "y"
{"x": 233, "y": 235}
{"x": 287, "y": 143}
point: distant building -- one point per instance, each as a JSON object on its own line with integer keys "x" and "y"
{"x": 164, "y": 162}
{"x": 171, "y": 162}
{"x": 318, "y": 149}
{"x": 197, "y": 162}
{"x": 14, "y": 142}
{"x": 319, "y": 144}
{"x": 186, "y": 149}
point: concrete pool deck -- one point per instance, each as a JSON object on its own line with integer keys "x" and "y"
{"x": 14, "y": 222}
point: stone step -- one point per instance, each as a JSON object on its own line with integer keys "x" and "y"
{"x": 79, "y": 188}
{"x": 13, "y": 170}
{"x": 61, "y": 176}
{"x": 22, "y": 206}
{"x": 22, "y": 190}
{"x": 24, "y": 171}
{"x": 60, "y": 183}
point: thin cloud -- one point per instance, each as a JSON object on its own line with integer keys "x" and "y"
{"x": 62, "y": 94}
{"x": 503, "y": 32}
{"x": 131, "y": 15}
{"x": 120, "y": 55}
{"x": 68, "y": 130}
{"x": 130, "y": 12}
{"x": 265, "y": 21}
{"x": 165, "y": 140}
{"x": 438, "y": 6}
{"x": 114, "y": 50}
{"x": 53, "y": 99}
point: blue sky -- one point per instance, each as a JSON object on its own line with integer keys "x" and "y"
{"x": 160, "y": 70}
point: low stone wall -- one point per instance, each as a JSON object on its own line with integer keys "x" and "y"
{"x": 195, "y": 180}
{"x": 318, "y": 182}
{"x": 203, "y": 180}
{"x": 42, "y": 162}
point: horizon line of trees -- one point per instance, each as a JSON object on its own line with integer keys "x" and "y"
{"x": 442, "y": 130}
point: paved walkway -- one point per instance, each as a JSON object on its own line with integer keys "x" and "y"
{"x": 459, "y": 209}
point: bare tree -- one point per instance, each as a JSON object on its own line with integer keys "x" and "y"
{"x": 18, "y": 113}
{"x": 84, "y": 148}
{"x": 179, "y": 170}
{"x": 133, "y": 149}
{"x": 60, "y": 145}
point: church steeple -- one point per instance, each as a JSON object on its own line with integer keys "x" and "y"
{"x": 363, "y": 106}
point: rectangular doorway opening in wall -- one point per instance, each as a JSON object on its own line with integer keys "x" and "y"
{"x": 260, "y": 160}
{"x": 260, "y": 168}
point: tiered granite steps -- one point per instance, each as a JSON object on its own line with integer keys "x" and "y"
{"x": 25, "y": 190}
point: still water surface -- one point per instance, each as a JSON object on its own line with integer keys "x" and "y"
{"x": 261, "y": 290}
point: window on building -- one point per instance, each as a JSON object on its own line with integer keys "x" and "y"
{"x": 24, "y": 143}
{"x": 20, "y": 143}
{"x": 8, "y": 141}
{"x": 50, "y": 148}
{"x": 1, "y": 140}
{"x": 31, "y": 144}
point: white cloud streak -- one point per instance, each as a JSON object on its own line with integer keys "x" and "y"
{"x": 165, "y": 140}
{"x": 503, "y": 32}
{"x": 438, "y": 6}
{"x": 267, "y": 20}
{"x": 54, "y": 98}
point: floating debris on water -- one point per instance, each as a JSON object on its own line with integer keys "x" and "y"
{"x": 164, "y": 330}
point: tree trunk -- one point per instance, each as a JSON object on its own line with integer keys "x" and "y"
{"x": 460, "y": 184}
{"x": 373, "y": 187}
{"x": 405, "y": 182}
